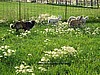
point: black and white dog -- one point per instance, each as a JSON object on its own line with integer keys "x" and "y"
{"x": 27, "y": 25}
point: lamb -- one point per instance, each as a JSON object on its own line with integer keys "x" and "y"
{"x": 23, "y": 25}
{"x": 54, "y": 20}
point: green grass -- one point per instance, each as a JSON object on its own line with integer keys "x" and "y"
{"x": 87, "y": 45}
{"x": 10, "y": 10}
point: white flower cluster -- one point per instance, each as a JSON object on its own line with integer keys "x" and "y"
{"x": 46, "y": 41}
{"x": 49, "y": 30}
{"x": 6, "y": 52}
{"x": 57, "y": 53}
{"x": 2, "y": 21}
{"x": 24, "y": 34}
{"x": 42, "y": 17}
{"x": 87, "y": 30}
{"x": 11, "y": 31}
{"x": 91, "y": 31}
{"x": 24, "y": 68}
{"x": 42, "y": 69}
{"x": 96, "y": 31}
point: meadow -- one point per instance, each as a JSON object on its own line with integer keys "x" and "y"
{"x": 50, "y": 49}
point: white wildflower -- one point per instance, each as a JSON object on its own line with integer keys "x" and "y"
{"x": 5, "y": 53}
{"x": 70, "y": 29}
{"x": 56, "y": 49}
{"x": 27, "y": 66}
{"x": 42, "y": 69}
{"x": 9, "y": 51}
{"x": 21, "y": 66}
{"x": 23, "y": 71}
{"x": 2, "y": 46}
{"x": 33, "y": 74}
{"x": 6, "y": 46}
{"x": 46, "y": 29}
{"x": 93, "y": 33}
{"x": 44, "y": 59}
{"x": 29, "y": 54}
{"x": 16, "y": 67}
{"x": 1, "y": 56}
{"x": 29, "y": 70}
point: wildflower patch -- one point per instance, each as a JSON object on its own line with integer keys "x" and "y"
{"x": 5, "y": 52}
{"x": 57, "y": 55}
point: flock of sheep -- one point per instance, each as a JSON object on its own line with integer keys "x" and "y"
{"x": 72, "y": 22}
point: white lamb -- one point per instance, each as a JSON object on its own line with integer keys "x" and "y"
{"x": 54, "y": 20}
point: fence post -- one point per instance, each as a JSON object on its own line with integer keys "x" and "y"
{"x": 84, "y": 2}
{"x": 65, "y": 9}
{"x": 97, "y": 3}
{"x": 19, "y": 10}
{"x": 91, "y": 2}
{"x": 70, "y": 2}
{"x": 76, "y": 2}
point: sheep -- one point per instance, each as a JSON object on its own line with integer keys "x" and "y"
{"x": 54, "y": 20}
{"x": 76, "y": 22}
{"x": 23, "y": 25}
{"x": 73, "y": 17}
{"x": 77, "y": 18}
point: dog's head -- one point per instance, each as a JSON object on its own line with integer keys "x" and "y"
{"x": 33, "y": 22}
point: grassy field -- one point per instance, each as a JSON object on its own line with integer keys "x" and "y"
{"x": 50, "y": 50}
{"x": 10, "y": 10}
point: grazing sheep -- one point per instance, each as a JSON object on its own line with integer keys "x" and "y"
{"x": 23, "y": 25}
{"x": 54, "y": 20}
{"x": 76, "y": 22}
